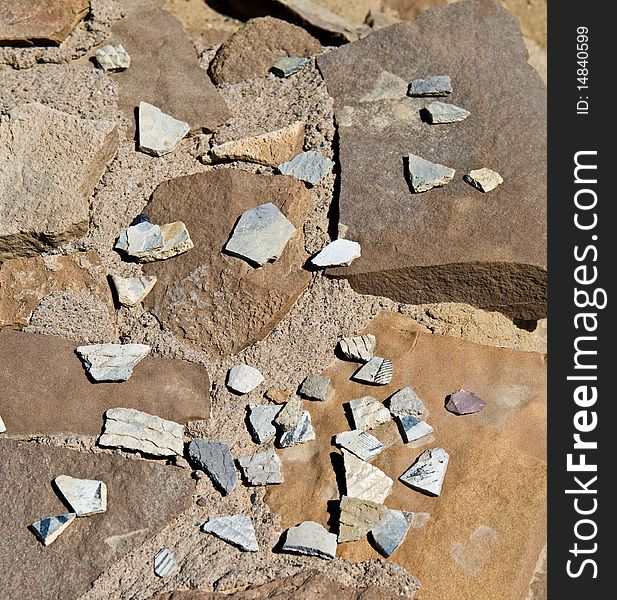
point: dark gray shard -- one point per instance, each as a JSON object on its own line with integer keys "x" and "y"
{"x": 442, "y": 112}
{"x": 289, "y": 65}
{"x": 464, "y": 403}
{"x": 316, "y": 387}
{"x": 424, "y": 175}
{"x": 438, "y": 85}
{"x": 216, "y": 460}
{"x": 390, "y": 532}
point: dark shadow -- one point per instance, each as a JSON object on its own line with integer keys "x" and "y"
{"x": 349, "y": 415}
{"x": 336, "y": 459}
{"x": 249, "y": 427}
{"x": 527, "y": 325}
{"x": 425, "y": 116}
{"x": 371, "y": 541}
{"x": 114, "y": 293}
{"x": 334, "y": 516}
{"x": 334, "y": 212}
{"x": 278, "y": 547}
{"x": 136, "y": 135}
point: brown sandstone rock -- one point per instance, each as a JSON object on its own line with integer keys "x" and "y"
{"x": 213, "y": 300}
{"x": 46, "y": 389}
{"x": 142, "y": 498}
{"x": 487, "y": 528}
{"x": 39, "y": 22}
{"x": 450, "y": 244}
{"x": 253, "y": 49}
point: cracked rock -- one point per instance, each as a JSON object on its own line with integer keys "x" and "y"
{"x": 484, "y": 180}
{"x": 361, "y": 443}
{"x": 464, "y": 403}
{"x": 261, "y": 469}
{"x": 428, "y": 472}
{"x": 148, "y": 242}
{"x": 390, "y": 532}
{"x": 49, "y": 528}
{"x": 112, "y": 59}
{"x": 359, "y": 348}
{"x": 165, "y": 563}
{"x": 377, "y": 371}
{"x": 442, "y": 112}
{"x": 289, "y": 65}
{"x": 310, "y": 538}
{"x": 365, "y": 481}
{"x": 406, "y": 402}
{"x": 309, "y": 167}
{"x": 135, "y": 430}
{"x": 438, "y": 85}
{"x": 358, "y": 517}
{"x": 130, "y": 291}
{"x": 261, "y": 420}
{"x": 159, "y": 133}
{"x": 111, "y": 362}
{"x": 413, "y": 429}
{"x": 83, "y": 496}
{"x": 339, "y": 253}
{"x": 424, "y": 175}
{"x": 366, "y": 413}
{"x": 216, "y": 460}
{"x": 316, "y": 387}
{"x": 237, "y": 530}
{"x": 243, "y": 379}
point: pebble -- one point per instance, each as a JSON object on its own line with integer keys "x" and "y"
{"x": 278, "y": 396}
{"x": 428, "y": 472}
{"x": 309, "y": 167}
{"x": 361, "y": 443}
{"x": 112, "y": 58}
{"x": 130, "y": 291}
{"x": 260, "y": 235}
{"x": 484, "y": 180}
{"x": 243, "y": 379}
{"x": 425, "y": 175}
{"x": 413, "y": 429}
{"x": 442, "y": 112}
{"x": 367, "y": 413}
{"x": 359, "y": 348}
{"x": 464, "y": 403}
{"x": 316, "y": 387}
{"x": 49, "y": 528}
{"x": 111, "y": 362}
{"x": 310, "y": 538}
{"x": 165, "y": 563}
{"x": 159, "y": 132}
{"x": 215, "y": 459}
{"x": 135, "y": 430}
{"x": 83, "y": 496}
{"x": 339, "y": 253}
{"x": 357, "y": 517}
{"x": 406, "y": 402}
{"x": 377, "y": 371}
{"x": 438, "y": 85}
{"x": 391, "y": 531}
{"x": 237, "y": 530}
{"x": 148, "y": 242}
{"x": 2, "y": 426}
{"x": 261, "y": 420}
{"x": 261, "y": 469}
{"x": 365, "y": 481}
{"x": 289, "y": 65}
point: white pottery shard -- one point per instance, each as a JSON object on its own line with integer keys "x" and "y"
{"x": 237, "y": 530}
{"x": 390, "y": 532}
{"x": 135, "y": 430}
{"x": 367, "y": 413}
{"x": 424, "y": 175}
{"x": 49, "y": 528}
{"x": 339, "y": 253}
{"x": 310, "y": 538}
{"x": 377, "y": 371}
{"x": 130, "y": 291}
{"x": 2, "y": 426}
{"x": 428, "y": 472}
{"x": 406, "y": 403}
{"x": 302, "y": 432}
{"x": 261, "y": 420}
{"x": 83, "y": 496}
{"x": 243, "y": 379}
{"x": 159, "y": 132}
{"x": 309, "y": 167}
{"x": 361, "y": 443}
{"x": 165, "y": 563}
{"x": 365, "y": 481}
{"x": 112, "y": 59}
{"x": 360, "y": 348}
{"x": 261, "y": 469}
{"x": 111, "y": 362}
{"x": 413, "y": 428}
{"x": 148, "y": 242}
{"x": 484, "y": 180}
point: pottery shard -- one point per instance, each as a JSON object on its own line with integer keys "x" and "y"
{"x": 212, "y": 300}
{"x": 437, "y": 85}
{"x": 406, "y": 402}
{"x": 237, "y": 530}
{"x": 338, "y": 253}
{"x": 424, "y": 175}
{"x": 316, "y": 387}
{"x": 39, "y": 22}
{"x": 49, "y": 528}
{"x": 50, "y": 163}
{"x": 484, "y": 179}
{"x": 390, "y": 532}
{"x": 302, "y": 432}
{"x": 130, "y": 291}
{"x": 83, "y": 496}
{"x": 111, "y": 362}
{"x": 243, "y": 379}
{"x": 134, "y": 515}
{"x": 495, "y": 256}
{"x": 165, "y": 563}
{"x": 265, "y": 40}
{"x": 147, "y": 242}
{"x": 112, "y": 59}
{"x": 464, "y": 403}
{"x": 2, "y": 426}
{"x": 359, "y": 348}
{"x": 428, "y": 472}
{"x": 361, "y": 443}
{"x": 159, "y": 132}
{"x": 216, "y": 460}
{"x": 289, "y": 65}
{"x": 358, "y": 517}
{"x": 165, "y": 71}
{"x": 377, "y": 370}
{"x": 442, "y": 112}
{"x": 290, "y": 415}
{"x": 261, "y": 469}
{"x": 135, "y": 430}
{"x": 308, "y": 166}
{"x": 364, "y": 481}
{"x": 270, "y": 149}
{"x": 367, "y": 412}
{"x": 413, "y": 429}
{"x": 310, "y": 538}
{"x": 261, "y": 420}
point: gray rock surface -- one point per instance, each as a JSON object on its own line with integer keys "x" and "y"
{"x": 130, "y": 291}
{"x": 49, "y": 528}
{"x": 237, "y": 530}
{"x": 406, "y": 402}
{"x": 413, "y": 429}
{"x": 290, "y": 415}
{"x": 261, "y": 234}
{"x": 288, "y": 65}
{"x": 437, "y": 85}
{"x": 424, "y": 175}
{"x": 310, "y": 538}
{"x": 442, "y": 112}
{"x": 316, "y": 387}
{"x": 263, "y": 468}
{"x": 367, "y": 413}
{"x": 112, "y": 59}
{"x": 83, "y": 496}
{"x": 428, "y": 472}
{"x": 261, "y": 420}
{"x": 165, "y": 563}
{"x": 484, "y": 179}
{"x": 111, "y": 362}
{"x": 360, "y": 348}
{"x": 377, "y": 370}
{"x": 365, "y": 481}
{"x": 309, "y": 167}
{"x": 361, "y": 443}
{"x": 338, "y": 253}
{"x": 357, "y": 517}
{"x": 387, "y": 86}
{"x": 391, "y": 531}
{"x": 135, "y": 430}
{"x": 216, "y": 460}
{"x": 243, "y": 379}
{"x": 159, "y": 133}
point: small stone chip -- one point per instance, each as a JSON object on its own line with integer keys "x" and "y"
{"x": 310, "y": 538}
{"x": 111, "y": 362}
{"x": 484, "y": 180}
{"x": 358, "y": 517}
{"x": 359, "y": 348}
{"x": 365, "y": 481}
{"x": 413, "y": 429}
{"x": 236, "y": 530}
{"x": 428, "y": 472}
{"x": 289, "y": 65}
{"x": 406, "y": 402}
{"x": 302, "y": 432}
{"x": 83, "y": 496}
{"x": 464, "y": 403}
{"x": 377, "y": 371}
{"x": 49, "y": 528}
{"x": 243, "y": 379}
{"x": 390, "y": 532}
{"x": 112, "y": 59}
{"x": 216, "y": 460}
{"x": 147, "y": 242}
{"x": 260, "y": 235}
{"x": 316, "y": 387}
{"x": 309, "y": 167}
{"x": 130, "y": 291}
{"x": 425, "y": 175}
{"x": 159, "y": 132}
{"x": 261, "y": 469}
{"x": 438, "y": 85}
{"x": 290, "y": 415}
{"x": 278, "y": 396}
{"x": 261, "y": 421}
{"x": 165, "y": 563}
{"x": 339, "y": 253}
{"x": 442, "y": 112}
{"x": 361, "y": 443}
{"x": 367, "y": 413}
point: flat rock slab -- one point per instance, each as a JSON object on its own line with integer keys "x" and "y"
{"x": 261, "y": 469}
{"x": 39, "y": 22}
{"x": 216, "y": 460}
{"x": 265, "y": 40}
{"x": 212, "y": 300}
{"x": 310, "y": 538}
{"x": 261, "y": 420}
{"x": 497, "y": 462}
{"x": 90, "y": 545}
{"x": 165, "y": 71}
{"x": 364, "y": 481}
{"x": 83, "y": 496}
{"x": 450, "y": 244}
{"x": 111, "y": 362}
{"x": 65, "y": 401}
{"x": 50, "y": 163}
{"x": 237, "y": 530}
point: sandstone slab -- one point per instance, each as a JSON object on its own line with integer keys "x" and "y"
{"x": 387, "y": 86}
{"x": 39, "y": 22}
{"x": 456, "y": 245}
{"x": 50, "y": 163}
{"x": 357, "y": 517}
{"x": 207, "y": 298}
{"x": 111, "y": 362}
{"x": 165, "y": 71}
{"x": 65, "y": 401}
{"x": 90, "y": 545}
{"x": 364, "y": 481}
{"x": 237, "y": 530}
{"x": 265, "y": 40}
{"x": 310, "y": 538}
{"x": 83, "y": 496}
{"x": 216, "y": 460}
